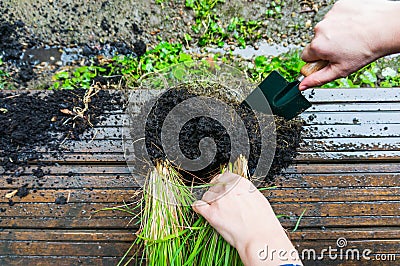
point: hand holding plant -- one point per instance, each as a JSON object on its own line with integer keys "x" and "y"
{"x": 243, "y": 217}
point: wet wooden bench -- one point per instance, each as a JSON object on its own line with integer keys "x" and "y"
{"x": 346, "y": 178}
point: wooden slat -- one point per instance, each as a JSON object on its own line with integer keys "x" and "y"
{"x": 351, "y": 118}
{"x": 351, "y": 156}
{"x": 353, "y": 95}
{"x": 71, "y": 182}
{"x": 350, "y": 144}
{"x": 75, "y": 195}
{"x": 354, "y": 131}
{"x": 339, "y": 180}
{"x": 67, "y": 235}
{"x": 354, "y": 107}
{"x": 49, "y": 248}
{"x": 59, "y": 261}
{"x": 55, "y": 223}
{"x": 303, "y": 156}
{"x": 333, "y": 194}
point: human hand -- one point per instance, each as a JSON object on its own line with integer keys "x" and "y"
{"x": 243, "y": 217}
{"x": 353, "y": 34}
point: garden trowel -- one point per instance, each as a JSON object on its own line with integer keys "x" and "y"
{"x": 284, "y": 98}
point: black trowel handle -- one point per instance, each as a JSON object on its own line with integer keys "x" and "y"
{"x": 313, "y": 67}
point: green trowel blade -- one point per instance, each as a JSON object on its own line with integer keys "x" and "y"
{"x": 284, "y": 98}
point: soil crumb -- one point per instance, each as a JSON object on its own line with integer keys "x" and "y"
{"x": 61, "y": 200}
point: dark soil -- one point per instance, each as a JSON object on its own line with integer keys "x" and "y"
{"x": 288, "y": 138}
{"x": 32, "y": 123}
{"x": 61, "y": 200}
{"x": 28, "y": 60}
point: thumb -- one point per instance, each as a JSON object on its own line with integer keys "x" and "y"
{"x": 319, "y": 78}
{"x": 201, "y": 207}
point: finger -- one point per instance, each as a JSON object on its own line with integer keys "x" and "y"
{"x": 215, "y": 179}
{"x": 210, "y": 196}
{"x": 200, "y": 207}
{"x": 309, "y": 54}
{"x": 228, "y": 178}
{"x": 319, "y": 78}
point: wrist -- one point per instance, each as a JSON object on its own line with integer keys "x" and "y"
{"x": 271, "y": 248}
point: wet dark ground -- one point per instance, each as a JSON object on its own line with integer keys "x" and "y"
{"x": 30, "y": 60}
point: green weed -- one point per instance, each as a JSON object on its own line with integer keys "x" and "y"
{"x": 3, "y": 77}
{"x": 127, "y": 67}
{"x": 288, "y": 65}
{"x": 211, "y": 29}
{"x": 275, "y": 9}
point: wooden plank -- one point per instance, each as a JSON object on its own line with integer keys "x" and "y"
{"x": 128, "y": 221}
{"x": 353, "y": 95}
{"x": 59, "y": 222}
{"x": 343, "y": 168}
{"x": 72, "y": 210}
{"x": 79, "y": 210}
{"x": 128, "y": 235}
{"x": 71, "y": 182}
{"x": 302, "y": 156}
{"x": 333, "y": 194}
{"x": 338, "y": 180}
{"x": 382, "y": 246}
{"x": 377, "y": 208}
{"x": 50, "y": 248}
{"x": 354, "y": 107}
{"x": 100, "y": 235}
{"x": 317, "y": 223}
{"x": 59, "y": 261}
{"x": 353, "y": 131}
{"x": 376, "y": 233}
{"x": 351, "y": 118}
{"x": 75, "y": 195}
{"x": 350, "y": 144}
{"x": 349, "y": 156}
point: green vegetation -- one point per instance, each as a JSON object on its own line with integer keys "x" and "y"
{"x": 288, "y": 65}
{"x": 211, "y": 30}
{"x": 275, "y": 9}
{"x": 130, "y": 69}
{"x": 3, "y": 77}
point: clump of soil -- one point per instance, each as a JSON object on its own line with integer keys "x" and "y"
{"x": 288, "y": 137}
{"x": 61, "y": 200}
{"x": 32, "y": 123}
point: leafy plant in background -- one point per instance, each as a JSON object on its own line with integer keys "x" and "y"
{"x": 166, "y": 54}
{"x": 211, "y": 29}
{"x": 3, "y": 77}
{"x": 288, "y": 65}
{"x": 82, "y": 77}
{"x": 127, "y": 67}
{"x": 275, "y": 9}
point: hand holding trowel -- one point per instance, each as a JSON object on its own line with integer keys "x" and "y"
{"x": 284, "y": 97}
